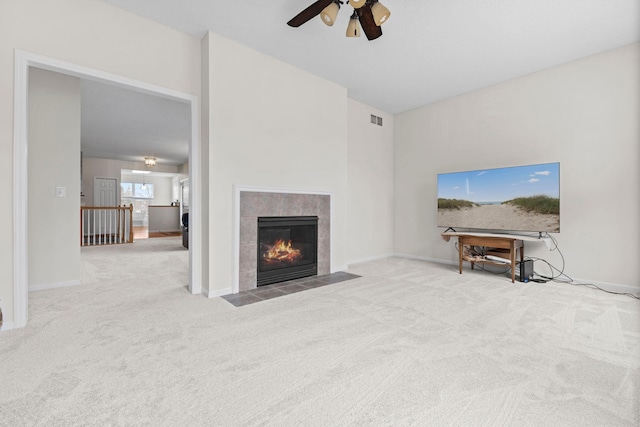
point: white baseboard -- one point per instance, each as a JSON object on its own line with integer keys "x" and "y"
{"x": 367, "y": 259}
{"x": 46, "y": 286}
{"x": 339, "y": 268}
{"x": 422, "y": 258}
{"x": 216, "y": 293}
{"x": 612, "y": 287}
{"x": 7, "y": 326}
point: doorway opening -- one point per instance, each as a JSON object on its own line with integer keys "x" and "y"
{"x": 24, "y": 61}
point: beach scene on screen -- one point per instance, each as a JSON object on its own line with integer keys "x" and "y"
{"x": 520, "y": 198}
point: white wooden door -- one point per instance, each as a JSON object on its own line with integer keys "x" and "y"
{"x": 105, "y": 192}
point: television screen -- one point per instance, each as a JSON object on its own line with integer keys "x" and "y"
{"x": 519, "y": 198}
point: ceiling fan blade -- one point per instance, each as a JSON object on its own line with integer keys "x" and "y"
{"x": 310, "y": 13}
{"x": 371, "y": 30}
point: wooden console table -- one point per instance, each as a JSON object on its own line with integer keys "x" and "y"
{"x": 496, "y": 241}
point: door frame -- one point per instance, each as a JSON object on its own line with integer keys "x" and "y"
{"x": 24, "y": 60}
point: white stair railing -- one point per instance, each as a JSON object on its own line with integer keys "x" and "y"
{"x": 106, "y": 225}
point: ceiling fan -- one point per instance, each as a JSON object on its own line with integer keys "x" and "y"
{"x": 371, "y": 14}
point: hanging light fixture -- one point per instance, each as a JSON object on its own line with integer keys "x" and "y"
{"x": 330, "y": 12}
{"x": 380, "y": 13}
{"x": 357, "y": 4}
{"x": 353, "y": 29}
{"x": 150, "y": 161}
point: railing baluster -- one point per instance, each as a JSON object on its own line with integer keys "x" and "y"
{"x": 81, "y": 227}
{"x": 119, "y": 226}
{"x": 130, "y": 222}
{"x": 101, "y": 227}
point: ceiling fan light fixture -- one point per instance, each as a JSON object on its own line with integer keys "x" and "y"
{"x": 353, "y": 29}
{"x": 364, "y": 15}
{"x": 329, "y": 13}
{"x": 380, "y": 13}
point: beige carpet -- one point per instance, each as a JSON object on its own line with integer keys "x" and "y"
{"x": 408, "y": 344}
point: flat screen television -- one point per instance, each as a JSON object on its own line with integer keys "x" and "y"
{"x": 518, "y": 198}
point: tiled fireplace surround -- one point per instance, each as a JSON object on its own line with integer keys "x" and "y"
{"x": 254, "y": 204}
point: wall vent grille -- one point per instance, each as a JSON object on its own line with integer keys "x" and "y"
{"x": 376, "y": 120}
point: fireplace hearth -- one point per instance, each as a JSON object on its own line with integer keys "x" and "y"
{"x": 287, "y": 248}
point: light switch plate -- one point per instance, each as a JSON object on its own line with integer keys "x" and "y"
{"x": 61, "y": 191}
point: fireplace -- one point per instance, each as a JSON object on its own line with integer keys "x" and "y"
{"x": 287, "y": 248}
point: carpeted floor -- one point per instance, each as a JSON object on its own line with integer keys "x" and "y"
{"x": 407, "y": 344}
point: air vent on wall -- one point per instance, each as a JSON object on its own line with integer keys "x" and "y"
{"x": 376, "y": 120}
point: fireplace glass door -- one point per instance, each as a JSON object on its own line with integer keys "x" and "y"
{"x": 287, "y": 248}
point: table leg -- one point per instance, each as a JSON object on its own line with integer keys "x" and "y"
{"x": 512, "y": 258}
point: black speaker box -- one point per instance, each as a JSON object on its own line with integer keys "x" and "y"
{"x": 526, "y": 270}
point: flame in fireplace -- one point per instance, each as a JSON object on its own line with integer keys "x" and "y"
{"x": 281, "y": 251}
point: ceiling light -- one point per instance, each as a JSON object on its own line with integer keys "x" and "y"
{"x": 380, "y": 13}
{"x": 353, "y": 29}
{"x": 150, "y": 161}
{"x": 135, "y": 171}
{"x": 357, "y": 4}
{"x": 329, "y": 13}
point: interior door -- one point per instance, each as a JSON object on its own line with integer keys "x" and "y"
{"x": 105, "y": 192}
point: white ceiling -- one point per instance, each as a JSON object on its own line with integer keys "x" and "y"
{"x": 122, "y": 124}
{"x": 430, "y": 50}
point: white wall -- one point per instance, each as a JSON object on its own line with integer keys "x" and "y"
{"x": 370, "y": 173}
{"x": 109, "y": 168}
{"x": 271, "y": 125}
{"x": 93, "y": 34}
{"x": 54, "y": 161}
{"x": 583, "y": 114}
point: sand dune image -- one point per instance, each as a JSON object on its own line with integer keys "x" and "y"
{"x": 518, "y": 198}
{"x": 499, "y": 217}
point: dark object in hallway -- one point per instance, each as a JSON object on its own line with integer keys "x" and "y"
{"x": 185, "y": 230}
